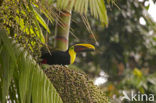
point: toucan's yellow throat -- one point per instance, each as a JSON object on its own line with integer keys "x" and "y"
{"x": 79, "y": 48}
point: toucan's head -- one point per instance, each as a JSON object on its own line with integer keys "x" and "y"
{"x": 79, "y": 48}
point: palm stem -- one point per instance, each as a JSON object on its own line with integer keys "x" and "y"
{"x": 62, "y": 30}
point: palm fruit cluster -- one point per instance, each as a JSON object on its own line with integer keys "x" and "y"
{"x": 74, "y": 86}
{"x": 19, "y": 23}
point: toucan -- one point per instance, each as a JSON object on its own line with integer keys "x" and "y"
{"x": 67, "y": 57}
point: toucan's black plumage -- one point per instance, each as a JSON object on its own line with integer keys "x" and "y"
{"x": 56, "y": 57}
{"x": 67, "y": 57}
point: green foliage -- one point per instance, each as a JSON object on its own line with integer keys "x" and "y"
{"x": 22, "y": 15}
{"x": 23, "y": 21}
{"x": 74, "y": 86}
{"x": 97, "y": 8}
{"x": 21, "y": 79}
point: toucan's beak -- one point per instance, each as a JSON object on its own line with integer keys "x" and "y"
{"x": 83, "y": 47}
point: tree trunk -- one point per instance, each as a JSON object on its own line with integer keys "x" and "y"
{"x": 62, "y": 30}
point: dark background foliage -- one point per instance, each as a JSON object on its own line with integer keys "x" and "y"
{"x": 121, "y": 42}
{"x": 123, "y": 49}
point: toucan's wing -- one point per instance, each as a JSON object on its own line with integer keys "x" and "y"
{"x": 56, "y": 57}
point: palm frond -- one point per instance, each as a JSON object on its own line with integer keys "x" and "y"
{"x": 96, "y": 7}
{"x": 21, "y": 79}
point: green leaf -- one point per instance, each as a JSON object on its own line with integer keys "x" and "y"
{"x": 46, "y": 12}
{"x": 19, "y": 70}
{"x": 97, "y": 8}
{"x": 6, "y": 65}
{"x": 41, "y": 21}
